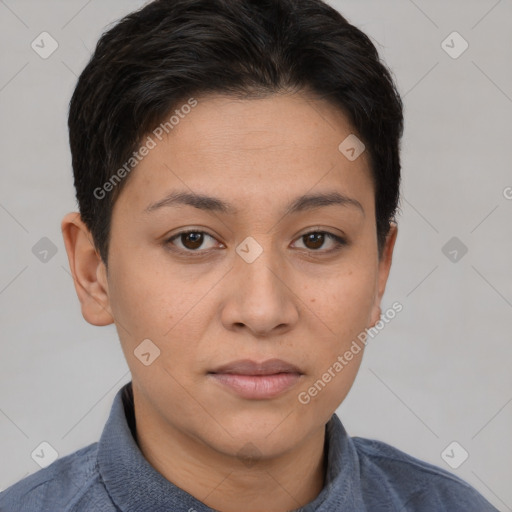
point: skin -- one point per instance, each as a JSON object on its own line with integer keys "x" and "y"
{"x": 297, "y": 301}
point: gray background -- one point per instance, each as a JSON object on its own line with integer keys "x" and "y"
{"x": 439, "y": 372}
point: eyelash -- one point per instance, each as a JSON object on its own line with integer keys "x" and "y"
{"x": 339, "y": 241}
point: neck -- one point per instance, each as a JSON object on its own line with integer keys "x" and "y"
{"x": 227, "y": 483}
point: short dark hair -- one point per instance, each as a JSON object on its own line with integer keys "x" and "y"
{"x": 170, "y": 50}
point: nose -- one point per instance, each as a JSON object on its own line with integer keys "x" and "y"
{"x": 261, "y": 296}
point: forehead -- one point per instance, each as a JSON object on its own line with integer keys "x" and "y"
{"x": 275, "y": 123}
{"x": 251, "y": 150}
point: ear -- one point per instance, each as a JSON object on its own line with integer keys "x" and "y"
{"x": 383, "y": 272}
{"x": 88, "y": 271}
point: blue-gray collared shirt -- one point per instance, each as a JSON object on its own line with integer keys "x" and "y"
{"x": 112, "y": 475}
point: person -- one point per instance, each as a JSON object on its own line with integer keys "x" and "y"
{"x": 237, "y": 171}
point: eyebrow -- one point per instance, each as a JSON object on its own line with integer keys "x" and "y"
{"x": 215, "y": 204}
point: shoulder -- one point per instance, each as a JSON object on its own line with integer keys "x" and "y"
{"x": 415, "y": 484}
{"x": 65, "y": 485}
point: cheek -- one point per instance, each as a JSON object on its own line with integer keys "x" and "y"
{"x": 142, "y": 302}
{"x": 342, "y": 310}
{"x": 169, "y": 308}
{"x": 344, "y": 302}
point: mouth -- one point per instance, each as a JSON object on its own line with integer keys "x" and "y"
{"x": 249, "y": 367}
{"x": 257, "y": 381}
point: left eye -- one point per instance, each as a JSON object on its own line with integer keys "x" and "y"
{"x": 317, "y": 239}
{"x": 191, "y": 241}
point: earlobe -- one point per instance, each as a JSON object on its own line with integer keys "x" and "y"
{"x": 375, "y": 314}
{"x": 88, "y": 271}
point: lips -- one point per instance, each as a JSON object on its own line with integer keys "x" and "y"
{"x": 248, "y": 367}
{"x": 257, "y": 381}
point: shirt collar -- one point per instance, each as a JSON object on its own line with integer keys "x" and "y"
{"x": 135, "y": 486}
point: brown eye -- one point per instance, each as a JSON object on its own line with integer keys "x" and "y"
{"x": 315, "y": 240}
{"x": 190, "y": 241}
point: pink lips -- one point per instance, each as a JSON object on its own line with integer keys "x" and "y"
{"x": 257, "y": 381}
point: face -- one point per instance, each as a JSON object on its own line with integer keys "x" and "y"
{"x": 255, "y": 280}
